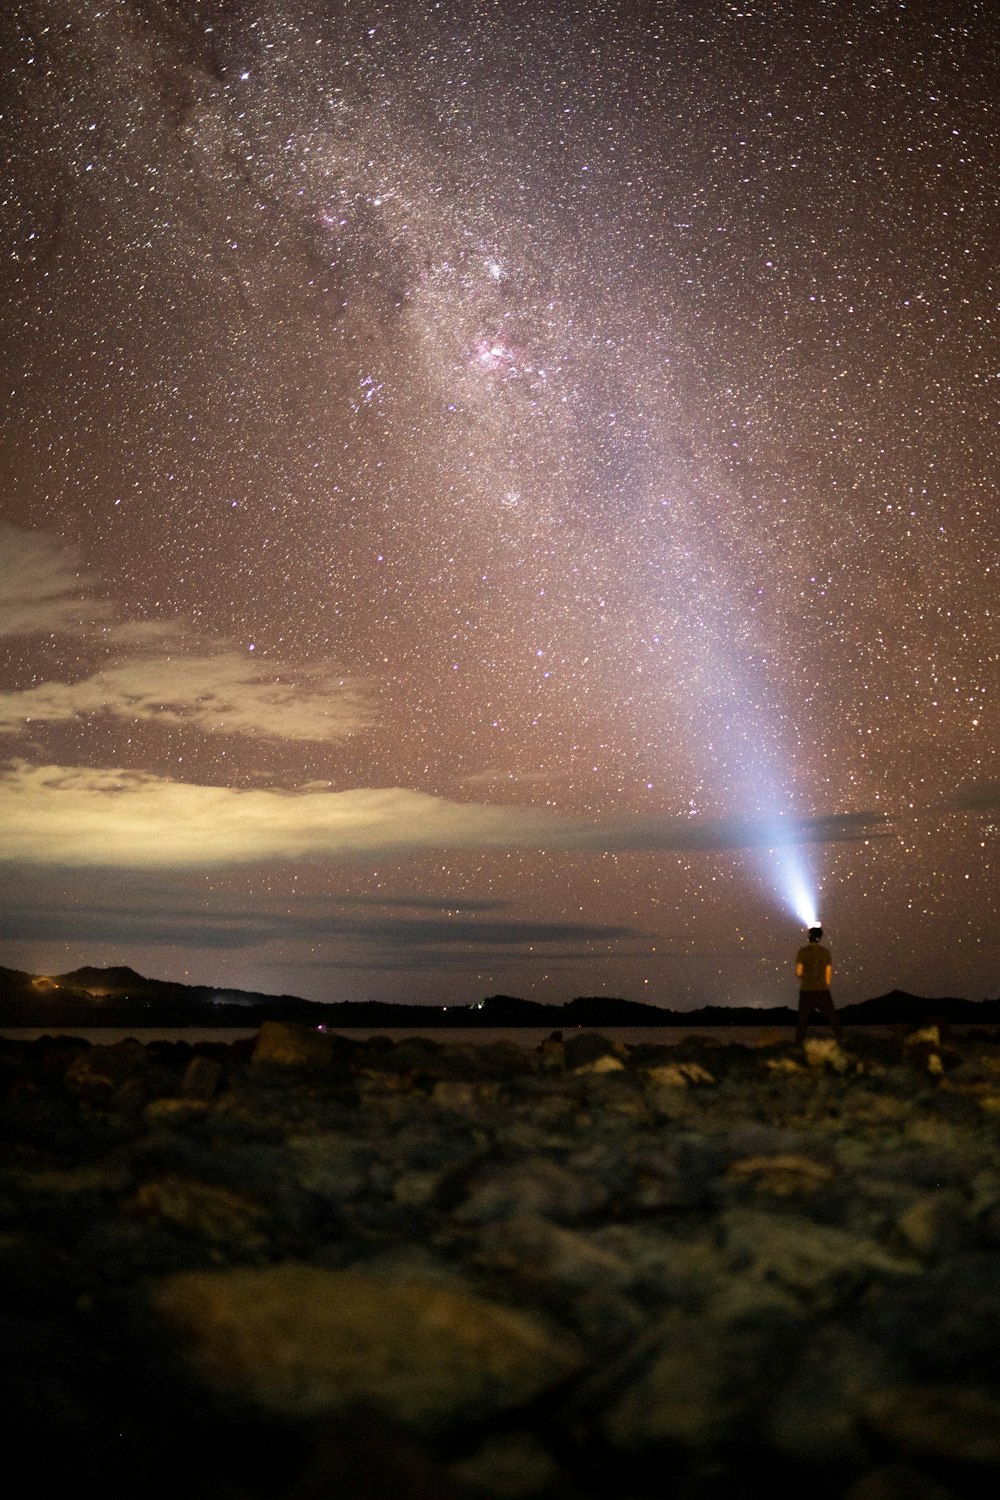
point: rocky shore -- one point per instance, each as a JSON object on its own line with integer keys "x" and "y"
{"x": 309, "y": 1267}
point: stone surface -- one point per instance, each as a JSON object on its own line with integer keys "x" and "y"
{"x": 539, "y": 1186}
{"x": 100, "y": 1071}
{"x": 951, "y": 1423}
{"x": 516, "y": 1466}
{"x": 694, "y": 1393}
{"x": 898, "y": 1482}
{"x": 292, "y": 1046}
{"x": 369, "y": 1268}
{"x": 202, "y": 1077}
{"x": 300, "y": 1340}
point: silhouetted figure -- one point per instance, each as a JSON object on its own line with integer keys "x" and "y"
{"x": 814, "y": 970}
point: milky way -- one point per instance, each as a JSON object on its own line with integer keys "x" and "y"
{"x": 469, "y": 468}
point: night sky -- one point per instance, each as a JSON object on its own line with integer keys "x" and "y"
{"x": 490, "y": 489}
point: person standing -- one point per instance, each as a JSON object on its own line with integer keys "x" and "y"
{"x": 814, "y": 970}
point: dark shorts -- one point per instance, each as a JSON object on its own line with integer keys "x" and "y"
{"x": 809, "y": 997}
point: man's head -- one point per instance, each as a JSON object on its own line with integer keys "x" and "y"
{"x": 815, "y": 933}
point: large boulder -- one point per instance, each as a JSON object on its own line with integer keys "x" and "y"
{"x": 301, "y": 1340}
{"x": 293, "y": 1046}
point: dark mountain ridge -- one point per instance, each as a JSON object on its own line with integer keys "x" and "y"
{"x": 119, "y": 996}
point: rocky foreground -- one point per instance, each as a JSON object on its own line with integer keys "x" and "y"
{"x": 311, "y": 1267}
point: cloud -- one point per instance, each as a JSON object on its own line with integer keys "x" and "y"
{"x": 155, "y": 670}
{"x": 634, "y": 835}
{"x": 157, "y": 923}
{"x": 79, "y": 817}
{"x": 226, "y": 692}
{"x": 493, "y": 777}
{"x": 41, "y": 586}
{"x": 76, "y": 816}
{"x": 977, "y": 796}
{"x": 460, "y": 961}
{"x": 422, "y": 903}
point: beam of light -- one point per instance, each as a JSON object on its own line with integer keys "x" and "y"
{"x": 793, "y": 880}
{"x": 731, "y": 692}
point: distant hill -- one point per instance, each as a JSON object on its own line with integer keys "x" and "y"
{"x": 120, "y": 997}
{"x": 121, "y": 977}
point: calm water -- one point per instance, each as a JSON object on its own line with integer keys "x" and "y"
{"x": 747, "y": 1036}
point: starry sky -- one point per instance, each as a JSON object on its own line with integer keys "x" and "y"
{"x": 492, "y": 492}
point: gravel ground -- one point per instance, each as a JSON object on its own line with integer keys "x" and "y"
{"x": 315, "y": 1267}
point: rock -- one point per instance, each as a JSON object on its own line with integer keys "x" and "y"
{"x": 952, "y": 1423}
{"x": 202, "y": 1077}
{"x": 406, "y": 1264}
{"x": 606, "y": 1063}
{"x": 101, "y": 1179}
{"x": 746, "y": 1301}
{"x": 656, "y": 1180}
{"x": 668, "y": 1104}
{"x": 335, "y": 1165}
{"x": 678, "y": 1075}
{"x": 298, "y": 1340}
{"x": 866, "y": 1106}
{"x": 203, "y": 1211}
{"x": 503, "y": 1060}
{"x": 920, "y": 1168}
{"x": 510, "y": 1466}
{"x": 779, "y": 1277}
{"x": 975, "y": 1073}
{"x": 100, "y": 1072}
{"x": 782, "y": 1176}
{"x": 464, "y": 1096}
{"x": 816, "y": 1414}
{"x": 172, "y": 1111}
{"x": 817, "y": 1261}
{"x": 587, "y": 1046}
{"x": 417, "y": 1189}
{"x": 905, "y": 1081}
{"x": 619, "y": 1100}
{"x": 937, "y": 1225}
{"x": 664, "y": 1271}
{"x": 897, "y": 1482}
{"x": 928, "y": 1036}
{"x": 988, "y": 1226}
{"x": 700, "y": 1390}
{"x": 360, "y": 1457}
{"x": 551, "y": 1056}
{"x": 534, "y": 1186}
{"x": 945, "y": 1324}
{"x": 824, "y": 1052}
{"x": 958, "y": 1108}
{"x": 538, "y": 1250}
{"x": 292, "y": 1046}
{"x": 784, "y": 1065}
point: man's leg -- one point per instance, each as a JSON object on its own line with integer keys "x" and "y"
{"x": 823, "y": 1002}
{"x": 807, "y": 1001}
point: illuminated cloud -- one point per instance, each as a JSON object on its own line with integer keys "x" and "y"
{"x": 223, "y": 693}
{"x": 77, "y": 816}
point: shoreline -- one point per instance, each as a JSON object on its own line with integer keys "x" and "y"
{"x": 485, "y": 1036}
